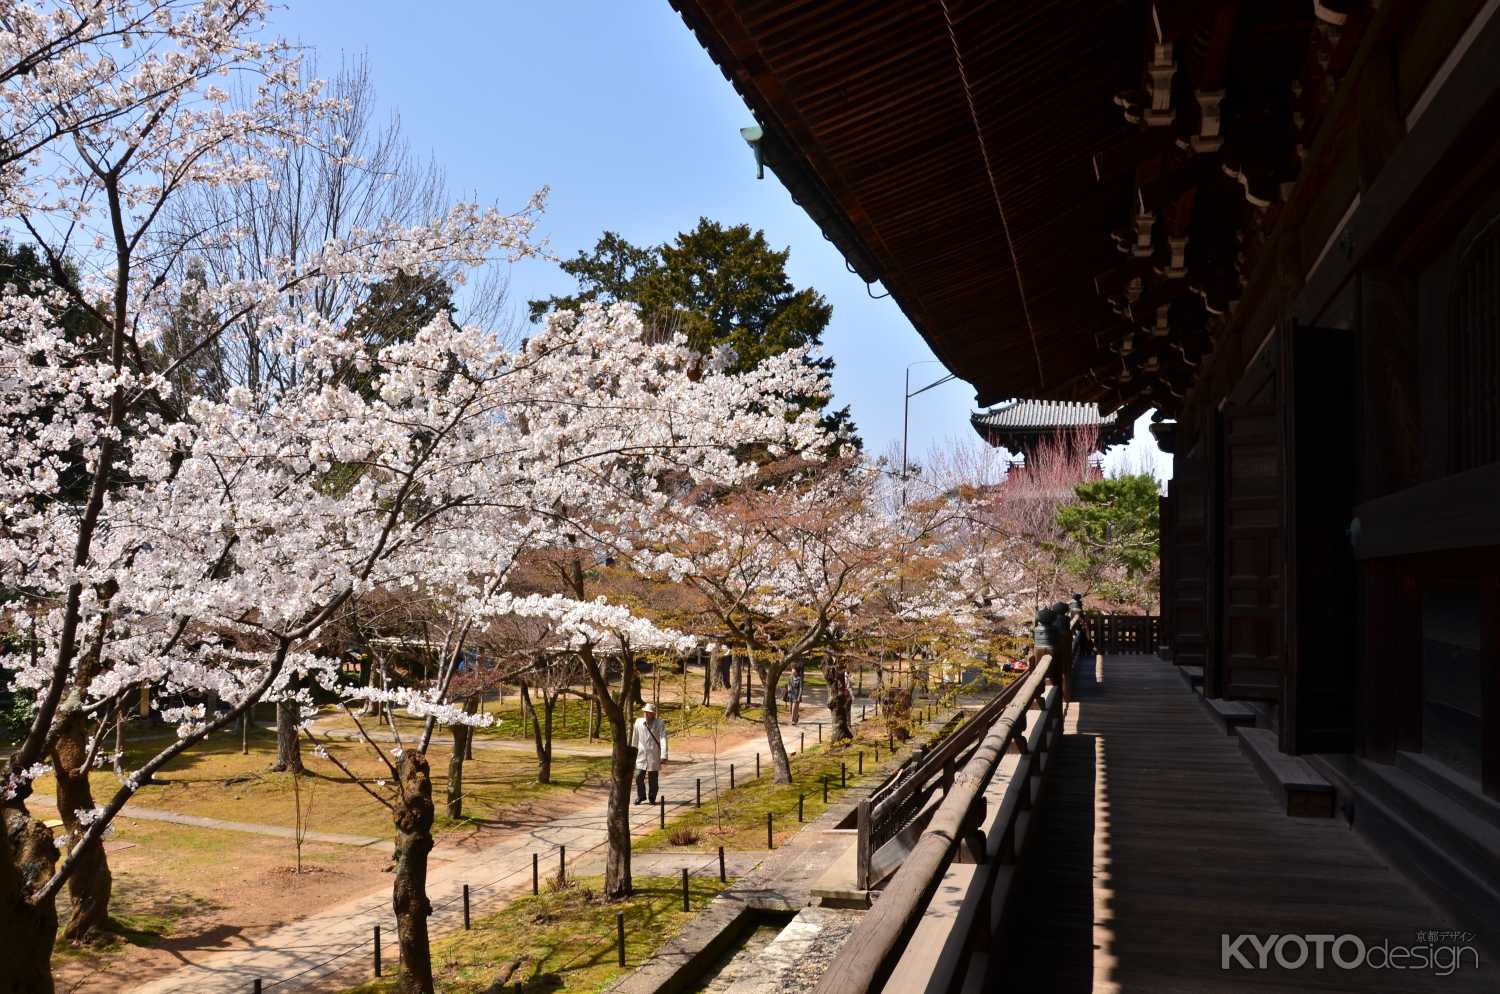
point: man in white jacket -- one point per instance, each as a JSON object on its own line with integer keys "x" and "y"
{"x": 650, "y": 740}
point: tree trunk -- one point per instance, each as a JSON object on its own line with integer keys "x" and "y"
{"x": 617, "y": 882}
{"x": 596, "y": 716}
{"x": 413, "y": 817}
{"x": 732, "y": 709}
{"x": 707, "y": 660}
{"x": 840, "y": 700}
{"x": 781, "y": 766}
{"x": 463, "y": 748}
{"x": 541, "y": 732}
{"x": 27, "y": 859}
{"x": 89, "y": 886}
{"x": 288, "y": 746}
{"x": 544, "y": 758}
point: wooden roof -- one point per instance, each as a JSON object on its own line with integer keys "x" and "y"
{"x": 1017, "y": 423}
{"x": 869, "y": 97}
{"x": 1066, "y": 197}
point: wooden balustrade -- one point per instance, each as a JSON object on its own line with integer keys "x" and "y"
{"x": 1124, "y": 632}
{"x": 893, "y": 816}
{"x": 950, "y": 891}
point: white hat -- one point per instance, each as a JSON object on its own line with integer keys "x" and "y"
{"x": 650, "y": 706}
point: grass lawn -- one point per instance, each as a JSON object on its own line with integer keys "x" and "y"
{"x": 572, "y": 726}
{"x": 214, "y": 780}
{"x": 745, "y": 807}
{"x": 562, "y": 940}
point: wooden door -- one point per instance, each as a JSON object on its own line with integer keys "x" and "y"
{"x": 1251, "y": 607}
{"x": 1320, "y": 689}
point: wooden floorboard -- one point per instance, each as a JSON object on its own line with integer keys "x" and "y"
{"x": 1156, "y": 837}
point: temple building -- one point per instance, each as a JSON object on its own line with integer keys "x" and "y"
{"x": 1021, "y": 425}
{"x": 1276, "y": 225}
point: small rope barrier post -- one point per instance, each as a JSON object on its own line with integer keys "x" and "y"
{"x": 820, "y": 733}
{"x": 722, "y": 877}
{"x": 801, "y": 742}
{"x": 843, "y": 774}
{"x": 731, "y": 776}
{"x": 562, "y": 865}
{"x": 800, "y": 799}
{"x": 377, "y": 950}
{"x": 663, "y": 812}
{"x": 825, "y": 788}
{"x": 536, "y": 874}
{"x": 770, "y": 839}
{"x": 684, "y": 889}
{"x": 877, "y": 755}
{"x": 757, "y": 766}
{"x": 257, "y": 986}
{"x": 698, "y": 792}
{"x": 466, "y": 907}
{"x": 861, "y": 761}
{"x": 620, "y": 935}
{"x": 861, "y": 712}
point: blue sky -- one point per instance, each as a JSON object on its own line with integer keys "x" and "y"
{"x": 613, "y": 105}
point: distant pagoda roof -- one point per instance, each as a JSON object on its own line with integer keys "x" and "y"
{"x": 1017, "y": 424}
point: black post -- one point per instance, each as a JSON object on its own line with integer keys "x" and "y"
{"x": 620, "y": 934}
{"x": 684, "y": 889}
{"x": 877, "y": 755}
{"x": 825, "y": 788}
{"x": 843, "y": 774}
{"x": 257, "y": 985}
{"x": 466, "y": 907}
{"x": 722, "y": 877}
{"x": 377, "y": 950}
{"x": 801, "y": 742}
{"x": 800, "y": 799}
{"x": 663, "y": 812}
{"x": 731, "y": 776}
{"x": 757, "y": 766}
{"x": 698, "y": 793}
{"x": 770, "y": 840}
{"x": 536, "y": 873}
{"x": 820, "y": 733}
{"x": 861, "y": 761}
{"x": 562, "y": 864}
{"x": 861, "y": 712}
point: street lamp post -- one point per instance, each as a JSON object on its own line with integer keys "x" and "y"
{"x": 909, "y": 393}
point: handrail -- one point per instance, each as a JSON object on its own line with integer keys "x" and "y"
{"x": 880, "y": 818}
{"x": 868, "y": 953}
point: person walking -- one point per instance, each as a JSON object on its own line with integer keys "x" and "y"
{"x": 794, "y": 692}
{"x": 649, "y": 737}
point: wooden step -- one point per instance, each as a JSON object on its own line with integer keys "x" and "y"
{"x": 1192, "y": 674}
{"x": 1300, "y": 789}
{"x": 1228, "y": 714}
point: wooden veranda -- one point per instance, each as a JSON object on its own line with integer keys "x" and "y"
{"x": 1156, "y": 838}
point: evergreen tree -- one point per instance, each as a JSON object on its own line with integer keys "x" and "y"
{"x": 717, "y": 285}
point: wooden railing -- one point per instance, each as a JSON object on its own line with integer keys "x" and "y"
{"x": 1124, "y": 632}
{"x": 949, "y": 894}
{"x": 891, "y": 818}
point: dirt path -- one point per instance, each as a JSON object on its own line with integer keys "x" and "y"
{"x": 335, "y": 944}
